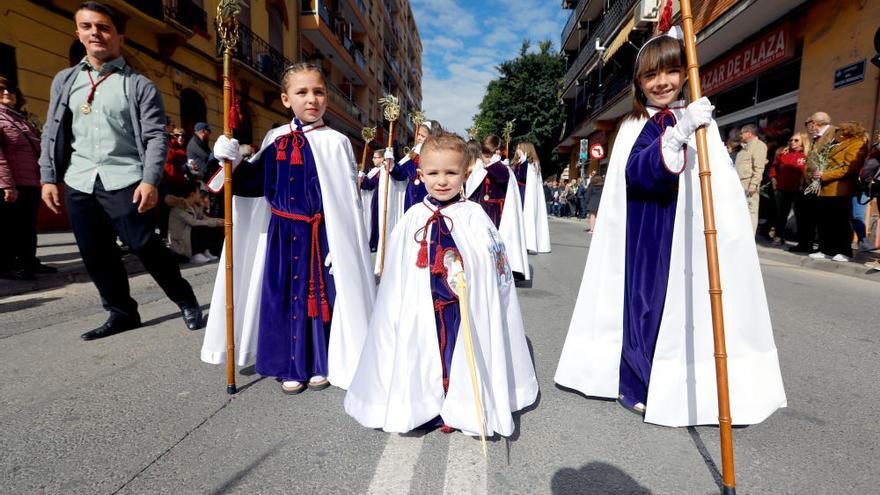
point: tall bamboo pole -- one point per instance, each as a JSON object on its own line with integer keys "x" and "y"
{"x": 391, "y": 110}
{"x": 724, "y": 421}
{"x": 227, "y": 26}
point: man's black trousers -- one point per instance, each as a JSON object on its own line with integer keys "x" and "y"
{"x": 97, "y": 219}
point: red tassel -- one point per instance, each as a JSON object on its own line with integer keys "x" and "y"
{"x": 295, "y": 155}
{"x": 446, "y": 384}
{"x": 666, "y": 18}
{"x": 422, "y": 260}
{"x": 313, "y": 306}
{"x": 325, "y": 311}
{"x": 280, "y": 147}
{"x": 438, "y": 268}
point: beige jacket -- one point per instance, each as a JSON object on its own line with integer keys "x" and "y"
{"x": 750, "y": 163}
{"x": 180, "y": 224}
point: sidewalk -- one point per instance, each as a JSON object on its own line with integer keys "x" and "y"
{"x": 59, "y": 249}
{"x": 855, "y": 268}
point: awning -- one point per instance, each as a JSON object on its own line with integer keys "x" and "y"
{"x": 619, "y": 40}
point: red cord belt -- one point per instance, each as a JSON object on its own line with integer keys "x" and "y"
{"x": 314, "y": 257}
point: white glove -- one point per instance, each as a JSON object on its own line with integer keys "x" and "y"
{"x": 329, "y": 264}
{"x": 361, "y": 175}
{"x": 696, "y": 115}
{"x": 389, "y": 154}
{"x": 227, "y": 149}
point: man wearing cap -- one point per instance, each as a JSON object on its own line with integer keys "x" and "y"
{"x": 197, "y": 150}
{"x": 105, "y": 138}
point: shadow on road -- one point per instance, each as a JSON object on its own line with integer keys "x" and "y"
{"x": 25, "y": 304}
{"x": 595, "y": 478}
{"x": 704, "y": 453}
{"x": 241, "y": 474}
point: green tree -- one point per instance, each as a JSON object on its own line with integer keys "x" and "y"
{"x": 528, "y": 90}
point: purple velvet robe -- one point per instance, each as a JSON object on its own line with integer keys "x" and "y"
{"x": 415, "y": 188}
{"x": 521, "y": 172}
{"x": 290, "y": 345}
{"x": 369, "y": 184}
{"x": 652, "y": 194}
{"x": 447, "y": 313}
{"x": 495, "y": 187}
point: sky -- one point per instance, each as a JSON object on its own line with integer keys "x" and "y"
{"x": 464, "y": 40}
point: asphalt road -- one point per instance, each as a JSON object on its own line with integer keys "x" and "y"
{"x": 139, "y": 413}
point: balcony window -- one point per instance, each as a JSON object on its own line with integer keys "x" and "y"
{"x": 276, "y": 29}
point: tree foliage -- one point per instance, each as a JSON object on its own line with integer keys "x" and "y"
{"x": 528, "y": 90}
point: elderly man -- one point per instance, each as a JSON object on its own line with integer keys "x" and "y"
{"x": 750, "y": 162}
{"x": 822, "y": 132}
{"x": 105, "y": 138}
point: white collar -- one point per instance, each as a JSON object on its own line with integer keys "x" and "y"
{"x": 675, "y": 106}
{"x": 295, "y": 123}
{"x": 823, "y": 130}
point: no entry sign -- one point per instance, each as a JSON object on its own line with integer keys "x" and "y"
{"x": 597, "y": 152}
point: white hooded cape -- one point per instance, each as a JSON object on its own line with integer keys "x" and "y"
{"x": 511, "y": 226}
{"x": 399, "y": 383}
{"x": 367, "y": 200}
{"x": 682, "y": 389}
{"x": 349, "y": 254}
{"x": 535, "y": 225}
{"x": 396, "y": 193}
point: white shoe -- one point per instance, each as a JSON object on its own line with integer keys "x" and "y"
{"x": 199, "y": 258}
{"x": 865, "y": 246}
{"x": 818, "y": 255}
{"x": 841, "y": 258}
{"x": 873, "y": 265}
{"x": 292, "y": 387}
{"x": 207, "y": 254}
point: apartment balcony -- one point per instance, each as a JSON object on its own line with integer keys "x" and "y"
{"x": 583, "y": 11}
{"x": 611, "y": 20}
{"x": 152, "y": 8}
{"x": 187, "y": 14}
{"x": 346, "y": 106}
{"x": 603, "y": 102}
{"x": 319, "y": 25}
{"x": 256, "y": 54}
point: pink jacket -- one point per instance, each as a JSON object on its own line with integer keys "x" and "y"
{"x": 19, "y": 150}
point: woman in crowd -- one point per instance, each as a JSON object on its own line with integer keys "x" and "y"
{"x": 594, "y": 195}
{"x": 787, "y": 177}
{"x": 19, "y": 187}
{"x": 838, "y": 184}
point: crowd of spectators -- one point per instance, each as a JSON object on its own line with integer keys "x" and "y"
{"x": 578, "y": 198}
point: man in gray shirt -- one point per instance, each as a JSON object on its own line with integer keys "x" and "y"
{"x": 104, "y": 137}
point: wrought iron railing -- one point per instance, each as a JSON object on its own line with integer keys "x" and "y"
{"x": 188, "y": 14}
{"x": 612, "y": 16}
{"x": 258, "y": 54}
{"x": 571, "y": 24}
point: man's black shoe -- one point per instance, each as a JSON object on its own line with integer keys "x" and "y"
{"x": 111, "y": 327}
{"x": 42, "y": 269}
{"x": 800, "y": 249}
{"x": 192, "y": 316}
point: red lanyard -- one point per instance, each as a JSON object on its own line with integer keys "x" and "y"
{"x": 95, "y": 84}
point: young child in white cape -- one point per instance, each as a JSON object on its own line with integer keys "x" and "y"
{"x": 414, "y": 369}
{"x": 642, "y": 325}
{"x": 303, "y": 284}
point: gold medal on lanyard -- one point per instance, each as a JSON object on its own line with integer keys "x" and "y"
{"x": 85, "y": 108}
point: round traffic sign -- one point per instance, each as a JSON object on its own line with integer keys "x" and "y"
{"x": 597, "y": 151}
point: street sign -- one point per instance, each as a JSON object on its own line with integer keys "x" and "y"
{"x": 597, "y": 151}
{"x": 851, "y": 74}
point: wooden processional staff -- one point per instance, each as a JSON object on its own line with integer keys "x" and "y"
{"x": 227, "y": 28}
{"x": 391, "y": 110}
{"x": 724, "y": 421}
{"x": 369, "y": 134}
{"x": 508, "y": 131}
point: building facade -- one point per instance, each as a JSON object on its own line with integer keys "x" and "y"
{"x": 772, "y": 64}
{"x": 366, "y": 48}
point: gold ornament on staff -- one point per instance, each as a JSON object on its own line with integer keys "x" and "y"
{"x": 508, "y": 130}
{"x": 227, "y": 29}
{"x": 724, "y": 420}
{"x": 391, "y": 110}
{"x": 417, "y": 118}
{"x": 473, "y": 132}
{"x": 369, "y": 134}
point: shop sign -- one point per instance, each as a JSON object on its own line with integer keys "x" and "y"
{"x": 768, "y": 49}
{"x": 597, "y": 151}
{"x": 851, "y": 74}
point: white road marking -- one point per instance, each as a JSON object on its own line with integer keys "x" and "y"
{"x": 394, "y": 472}
{"x": 466, "y": 467}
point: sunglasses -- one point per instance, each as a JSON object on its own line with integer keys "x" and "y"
{"x": 809, "y": 122}
{"x": 4, "y": 89}
{"x": 794, "y": 140}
